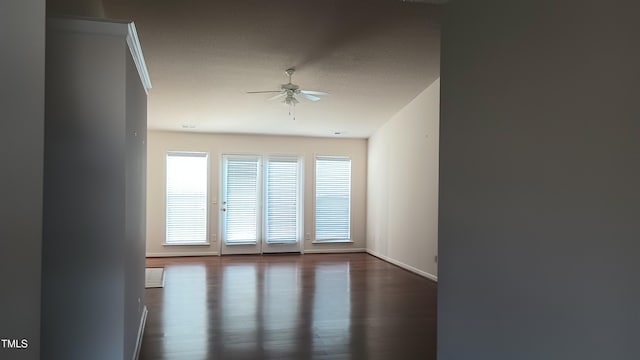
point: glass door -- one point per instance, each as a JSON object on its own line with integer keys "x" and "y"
{"x": 241, "y": 210}
{"x": 261, "y": 204}
{"x": 282, "y": 204}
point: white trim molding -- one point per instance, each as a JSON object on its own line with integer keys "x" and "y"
{"x": 403, "y": 265}
{"x": 332, "y": 242}
{"x": 333, "y": 251}
{"x": 183, "y": 253}
{"x": 107, "y": 27}
{"x": 143, "y": 322}
{"x": 138, "y": 58}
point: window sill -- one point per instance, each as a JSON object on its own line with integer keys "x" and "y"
{"x": 331, "y": 241}
{"x": 240, "y": 243}
{"x": 187, "y": 244}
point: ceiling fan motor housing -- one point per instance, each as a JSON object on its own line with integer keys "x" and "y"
{"x": 289, "y": 87}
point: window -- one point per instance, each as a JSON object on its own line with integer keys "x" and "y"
{"x": 282, "y": 199}
{"x": 333, "y": 198}
{"x": 186, "y": 206}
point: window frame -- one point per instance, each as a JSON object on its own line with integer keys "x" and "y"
{"x": 223, "y": 199}
{"x": 187, "y": 153}
{"x": 349, "y": 239}
{"x": 262, "y": 242}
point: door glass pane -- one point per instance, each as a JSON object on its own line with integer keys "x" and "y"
{"x": 282, "y": 200}
{"x": 241, "y": 218}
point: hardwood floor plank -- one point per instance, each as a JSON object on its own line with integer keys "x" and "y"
{"x": 314, "y": 306}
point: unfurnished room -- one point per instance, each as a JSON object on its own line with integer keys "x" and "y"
{"x": 339, "y": 179}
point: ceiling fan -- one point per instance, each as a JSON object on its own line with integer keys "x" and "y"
{"x": 289, "y": 91}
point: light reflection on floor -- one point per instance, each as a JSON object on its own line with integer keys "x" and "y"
{"x": 331, "y": 307}
{"x": 289, "y": 308}
{"x": 281, "y": 306}
{"x": 239, "y": 319}
{"x": 180, "y": 310}
{"x": 260, "y": 309}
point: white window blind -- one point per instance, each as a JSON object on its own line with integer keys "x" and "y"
{"x": 282, "y": 199}
{"x": 241, "y": 199}
{"x": 333, "y": 198}
{"x": 186, "y": 198}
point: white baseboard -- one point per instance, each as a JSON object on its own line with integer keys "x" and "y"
{"x": 143, "y": 322}
{"x": 179, "y": 253}
{"x": 404, "y": 266}
{"x": 211, "y": 253}
{"x": 333, "y": 251}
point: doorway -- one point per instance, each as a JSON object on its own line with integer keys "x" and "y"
{"x": 261, "y": 204}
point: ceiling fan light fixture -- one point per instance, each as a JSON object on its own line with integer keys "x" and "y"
{"x": 289, "y": 91}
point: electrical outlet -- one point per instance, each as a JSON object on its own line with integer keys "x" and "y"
{"x": 307, "y": 236}
{"x": 214, "y": 237}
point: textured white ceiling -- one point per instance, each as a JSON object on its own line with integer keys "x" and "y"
{"x": 372, "y": 56}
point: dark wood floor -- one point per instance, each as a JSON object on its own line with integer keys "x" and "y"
{"x": 293, "y": 307}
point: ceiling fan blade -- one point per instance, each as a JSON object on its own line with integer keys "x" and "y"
{"x": 311, "y": 92}
{"x": 277, "y": 96}
{"x": 309, "y": 97}
{"x": 263, "y": 92}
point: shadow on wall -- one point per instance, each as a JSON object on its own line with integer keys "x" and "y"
{"x": 88, "y": 8}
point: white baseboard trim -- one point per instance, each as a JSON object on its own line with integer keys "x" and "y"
{"x": 143, "y": 322}
{"x": 179, "y": 253}
{"x": 404, "y": 266}
{"x": 333, "y": 251}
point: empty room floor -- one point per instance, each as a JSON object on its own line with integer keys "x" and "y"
{"x": 289, "y": 307}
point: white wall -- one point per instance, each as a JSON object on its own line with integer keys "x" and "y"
{"x": 22, "y": 44}
{"x": 402, "y": 189}
{"x": 159, "y": 142}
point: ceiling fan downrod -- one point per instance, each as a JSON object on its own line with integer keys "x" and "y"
{"x": 290, "y": 72}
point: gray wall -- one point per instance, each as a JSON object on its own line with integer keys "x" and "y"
{"x": 85, "y": 248}
{"x": 86, "y": 8}
{"x": 539, "y": 235}
{"x": 135, "y": 228}
{"x": 22, "y": 38}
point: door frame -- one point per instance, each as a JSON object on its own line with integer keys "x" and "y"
{"x": 248, "y": 247}
{"x": 260, "y": 246}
